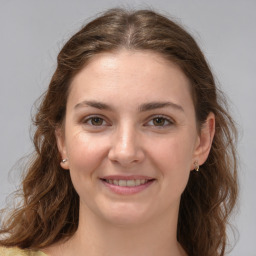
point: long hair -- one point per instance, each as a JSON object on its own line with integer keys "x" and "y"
{"x": 50, "y": 206}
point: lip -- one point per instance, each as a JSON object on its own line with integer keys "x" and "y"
{"x": 130, "y": 177}
{"x": 126, "y": 190}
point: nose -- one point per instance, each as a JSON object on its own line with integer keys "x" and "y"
{"x": 126, "y": 147}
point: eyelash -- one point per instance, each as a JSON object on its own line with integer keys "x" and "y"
{"x": 90, "y": 118}
{"x": 163, "y": 118}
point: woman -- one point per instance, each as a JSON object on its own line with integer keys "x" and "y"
{"x": 134, "y": 150}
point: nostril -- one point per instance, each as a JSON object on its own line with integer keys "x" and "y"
{"x": 125, "y": 157}
{"x": 126, "y": 149}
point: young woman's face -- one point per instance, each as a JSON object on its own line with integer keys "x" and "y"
{"x": 130, "y": 136}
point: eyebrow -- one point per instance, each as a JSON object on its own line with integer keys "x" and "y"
{"x": 156, "y": 105}
{"x": 142, "y": 108}
{"x": 94, "y": 104}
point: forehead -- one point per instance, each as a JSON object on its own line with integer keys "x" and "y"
{"x": 137, "y": 74}
{"x": 135, "y": 62}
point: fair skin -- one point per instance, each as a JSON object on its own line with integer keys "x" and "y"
{"x": 129, "y": 116}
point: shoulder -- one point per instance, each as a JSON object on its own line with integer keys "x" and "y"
{"x": 14, "y": 251}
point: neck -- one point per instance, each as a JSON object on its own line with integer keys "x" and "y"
{"x": 101, "y": 238}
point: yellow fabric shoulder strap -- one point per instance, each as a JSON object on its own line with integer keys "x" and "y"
{"x": 14, "y": 251}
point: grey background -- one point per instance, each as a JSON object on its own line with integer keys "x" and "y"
{"x": 32, "y": 33}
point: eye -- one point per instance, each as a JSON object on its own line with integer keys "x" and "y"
{"x": 95, "y": 121}
{"x": 160, "y": 121}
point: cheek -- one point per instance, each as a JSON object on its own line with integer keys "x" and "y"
{"x": 85, "y": 152}
{"x": 174, "y": 152}
{"x": 173, "y": 159}
{"x": 86, "y": 155}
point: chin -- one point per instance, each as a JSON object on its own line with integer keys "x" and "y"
{"x": 125, "y": 215}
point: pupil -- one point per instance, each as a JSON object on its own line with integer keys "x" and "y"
{"x": 158, "y": 121}
{"x": 97, "y": 121}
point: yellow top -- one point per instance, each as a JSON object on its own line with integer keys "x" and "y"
{"x": 19, "y": 252}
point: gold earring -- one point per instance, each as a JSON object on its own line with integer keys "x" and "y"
{"x": 196, "y": 166}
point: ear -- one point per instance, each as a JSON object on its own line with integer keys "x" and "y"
{"x": 60, "y": 138}
{"x": 205, "y": 139}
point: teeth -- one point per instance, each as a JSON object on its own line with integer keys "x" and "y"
{"x": 137, "y": 182}
{"x": 130, "y": 183}
{"x": 122, "y": 183}
{"x": 127, "y": 183}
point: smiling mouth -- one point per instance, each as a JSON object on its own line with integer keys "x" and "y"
{"x": 127, "y": 183}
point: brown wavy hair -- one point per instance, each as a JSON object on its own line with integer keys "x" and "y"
{"x": 49, "y": 210}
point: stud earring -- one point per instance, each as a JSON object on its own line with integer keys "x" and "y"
{"x": 64, "y": 160}
{"x": 196, "y": 166}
